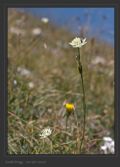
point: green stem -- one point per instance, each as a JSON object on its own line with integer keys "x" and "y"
{"x": 66, "y": 121}
{"x": 84, "y": 102}
{"x": 51, "y": 145}
{"x": 84, "y": 107}
{"x": 67, "y": 117}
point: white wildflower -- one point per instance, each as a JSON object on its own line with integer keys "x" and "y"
{"x": 45, "y": 45}
{"x": 31, "y": 85}
{"x": 78, "y": 42}
{"x": 104, "y": 149}
{"x": 23, "y": 72}
{"x": 45, "y": 133}
{"x": 109, "y": 146}
{"x": 111, "y": 73}
{"x": 17, "y": 31}
{"x": 45, "y": 20}
{"x": 36, "y": 31}
{"x": 98, "y": 60}
{"x": 15, "y": 82}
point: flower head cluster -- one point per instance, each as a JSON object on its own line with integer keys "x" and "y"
{"x": 36, "y": 31}
{"x": 78, "y": 42}
{"x": 108, "y": 147}
{"x": 45, "y": 133}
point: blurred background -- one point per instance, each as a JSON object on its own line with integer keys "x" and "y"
{"x": 96, "y": 22}
{"x": 42, "y": 75}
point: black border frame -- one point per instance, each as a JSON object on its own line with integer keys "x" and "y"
{"x": 41, "y": 159}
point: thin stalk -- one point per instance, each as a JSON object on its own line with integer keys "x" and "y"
{"x": 51, "y": 145}
{"x": 84, "y": 102}
{"x": 84, "y": 107}
{"x": 66, "y": 122}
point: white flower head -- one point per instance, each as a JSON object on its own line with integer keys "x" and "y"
{"x": 104, "y": 149}
{"x": 45, "y": 20}
{"x": 78, "y": 42}
{"x": 31, "y": 85}
{"x": 15, "y": 82}
{"x": 45, "y": 133}
{"x": 23, "y": 71}
{"x": 109, "y": 146}
{"x": 36, "y": 31}
{"x": 17, "y": 31}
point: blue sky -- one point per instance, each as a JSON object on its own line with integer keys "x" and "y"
{"x": 100, "y": 20}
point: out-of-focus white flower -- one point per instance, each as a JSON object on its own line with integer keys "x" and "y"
{"x": 31, "y": 85}
{"x": 45, "y": 133}
{"x": 36, "y": 31}
{"x": 109, "y": 146}
{"x": 78, "y": 42}
{"x": 17, "y": 31}
{"x": 111, "y": 73}
{"x": 15, "y": 82}
{"x": 104, "y": 149}
{"x": 45, "y": 20}
{"x": 98, "y": 60}
{"x": 45, "y": 45}
{"x": 23, "y": 72}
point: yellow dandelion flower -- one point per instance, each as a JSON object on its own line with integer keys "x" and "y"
{"x": 69, "y": 107}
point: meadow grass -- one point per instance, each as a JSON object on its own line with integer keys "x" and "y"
{"x": 55, "y": 78}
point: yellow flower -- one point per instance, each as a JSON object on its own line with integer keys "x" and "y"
{"x": 69, "y": 107}
{"x": 78, "y": 42}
